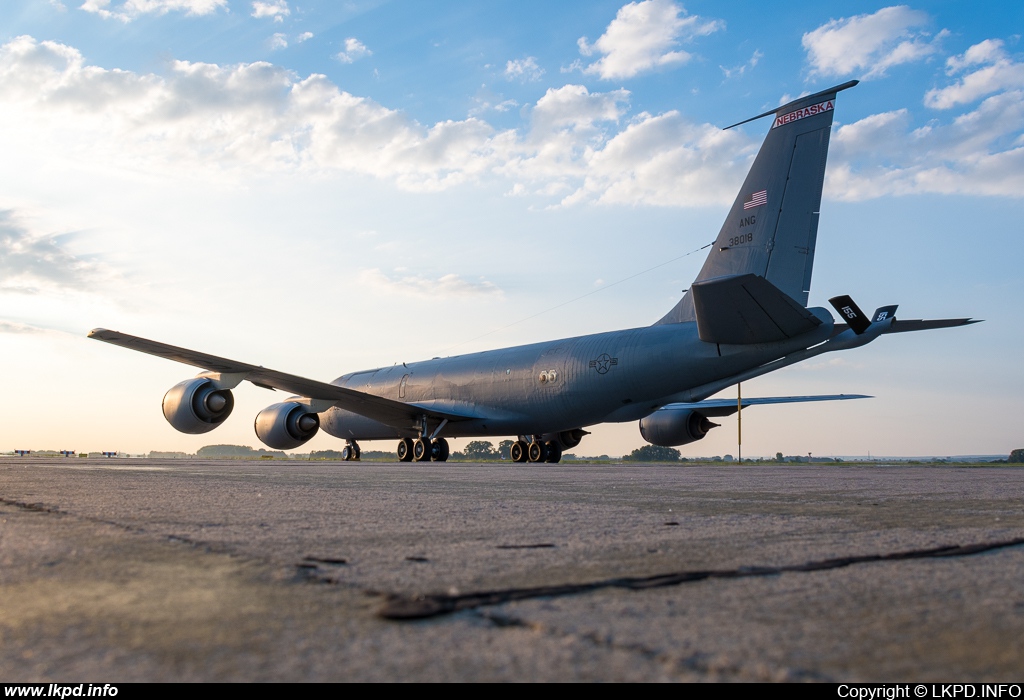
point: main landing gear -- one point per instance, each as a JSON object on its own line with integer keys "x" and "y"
{"x": 535, "y": 451}
{"x": 350, "y": 452}
{"x": 423, "y": 450}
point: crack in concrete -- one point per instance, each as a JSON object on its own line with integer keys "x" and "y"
{"x": 678, "y": 666}
{"x": 134, "y": 529}
{"x": 402, "y": 607}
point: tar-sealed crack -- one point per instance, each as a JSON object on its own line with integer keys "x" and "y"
{"x": 402, "y": 607}
{"x": 405, "y": 607}
{"x": 135, "y": 529}
{"x": 330, "y": 561}
{"x": 701, "y": 663}
{"x": 34, "y": 507}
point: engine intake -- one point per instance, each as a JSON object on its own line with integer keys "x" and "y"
{"x": 285, "y": 426}
{"x": 670, "y": 427}
{"x": 197, "y": 406}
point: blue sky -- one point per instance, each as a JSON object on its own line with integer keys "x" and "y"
{"x": 323, "y": 187}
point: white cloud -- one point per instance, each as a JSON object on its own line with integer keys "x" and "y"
{"x": 642, "y": 37}
{"x": 524, "y": 69}
{"x": 31, "y": 263}
{"x": 567, "y": 126}
{"x": 665, "y": 160}
{"x": 19, "y": 328}
{"x": 742, "y": 68}
{"x": 577, "y": 107}
{"x": 276, "y": 9}
{"x": 254, "y": 115}
{"x": 305, "y": 36}
{"x": 225, "y": 123}
{"x": 354, "y": 50}
{"x": 977, "y": 153}
{"x": 998, "y": 72}
{"x": 130, "y": 9}
{"x": 486, "y": 105}
{"x": 870, "y": 44}
{"x": 447, "y": 286}
{"x": 278, "y": 41}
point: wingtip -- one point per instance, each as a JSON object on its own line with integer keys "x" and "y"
{"x": 95, "y": 332}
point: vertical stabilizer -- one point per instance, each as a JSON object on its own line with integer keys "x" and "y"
{"x": 773, "y": 224}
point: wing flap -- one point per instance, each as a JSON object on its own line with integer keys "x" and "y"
{"x": 394, "y": 413}
{"x": 746, "y": 309}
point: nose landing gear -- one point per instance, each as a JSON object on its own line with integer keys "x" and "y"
{"x": 351, "y": 451}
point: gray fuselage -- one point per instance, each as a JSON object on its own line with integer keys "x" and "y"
{"x": 558, "y": 385}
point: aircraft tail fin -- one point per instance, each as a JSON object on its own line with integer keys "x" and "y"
{"x": 772, "y": 226}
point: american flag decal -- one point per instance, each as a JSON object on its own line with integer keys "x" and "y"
{"x": 756, "y": 200}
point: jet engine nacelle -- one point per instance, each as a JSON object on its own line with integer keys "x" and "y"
{"x": 671, "y": 427}
{"x": 197, "y": 406}
{"x": 567, "y": 439}
{"x": 285, "y": 426}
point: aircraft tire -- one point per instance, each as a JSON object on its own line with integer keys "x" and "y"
{"x": 537, "y": 452}
{"x": 517, "y": 452}
{"x": 439, "y": 450}
{"x": 405, "y": 450}
{"x": 421, "y": 450}
{"x": 356, "y": 452}
{"x": 554, "y": 451}
{"x": 346, "y": 453}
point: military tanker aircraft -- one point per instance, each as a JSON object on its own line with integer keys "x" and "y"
{"x": 744, "y": 316}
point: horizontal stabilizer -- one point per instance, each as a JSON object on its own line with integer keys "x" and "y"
{"x": 714, "y": 408}
{"x": 902, "y": 326}
{"x": 746, "y": 309}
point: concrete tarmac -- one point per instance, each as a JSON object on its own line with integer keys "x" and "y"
{"x": 166, "y": 570}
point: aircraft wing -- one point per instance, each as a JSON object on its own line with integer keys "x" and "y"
{"x": 387, "y": 411}
{"x": 727, "y": 407}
